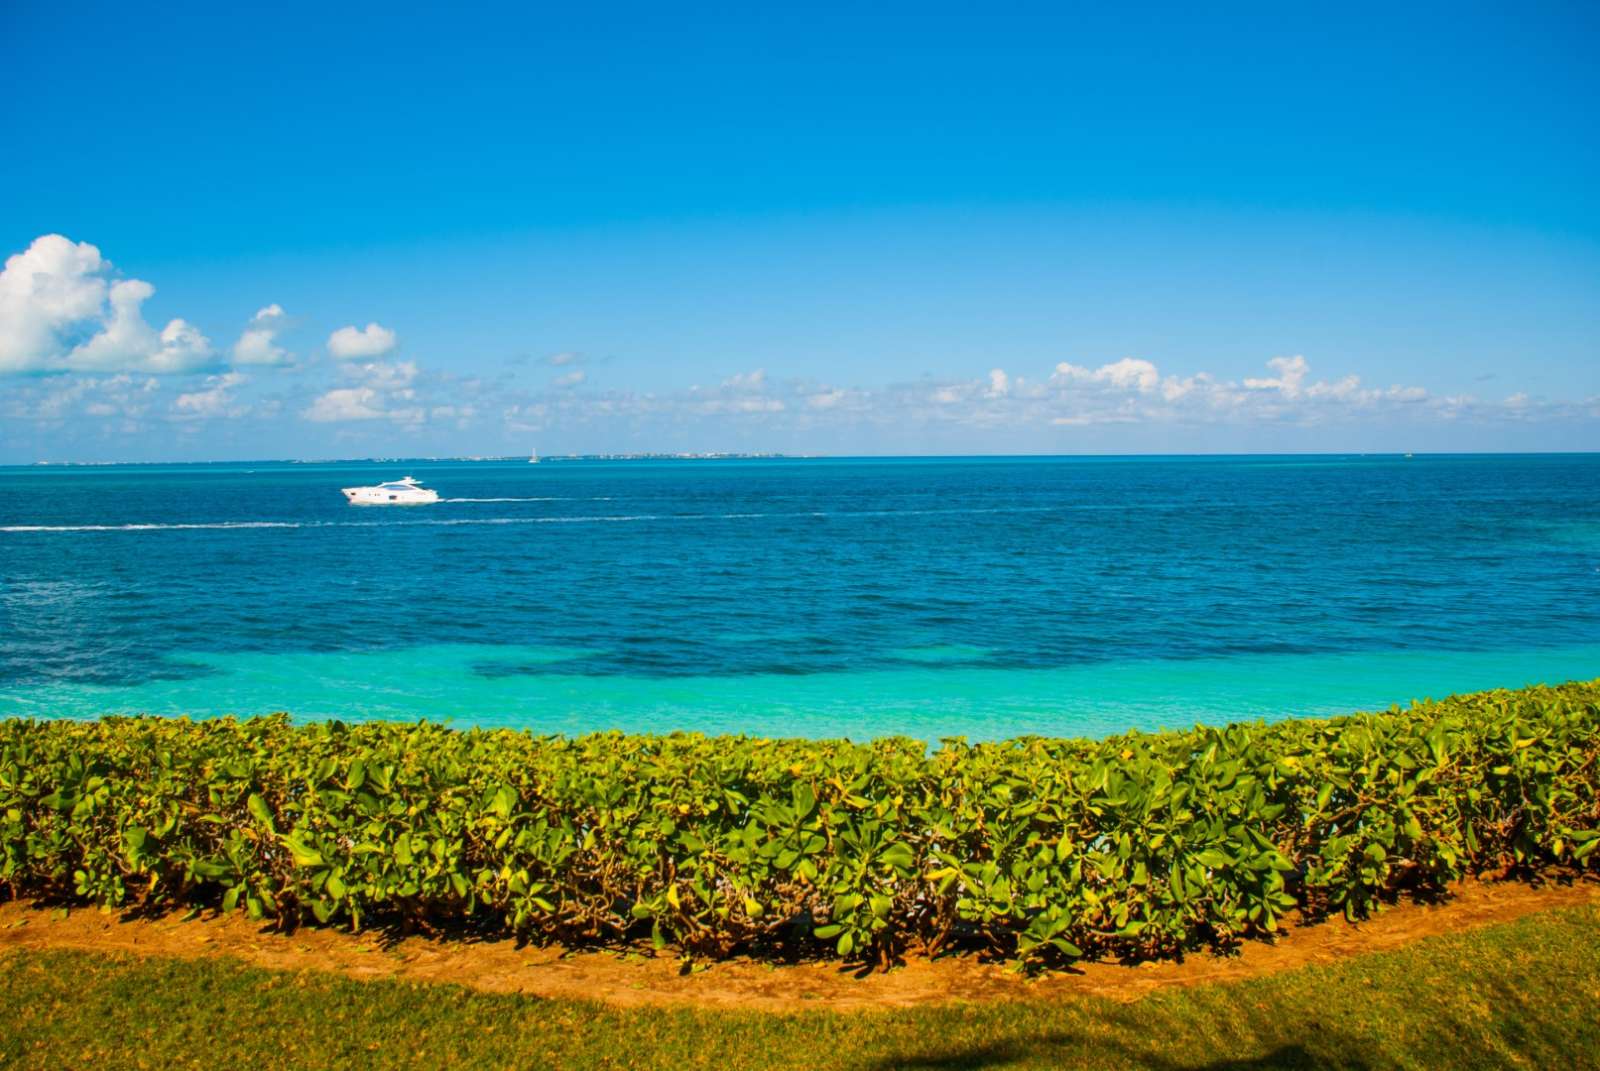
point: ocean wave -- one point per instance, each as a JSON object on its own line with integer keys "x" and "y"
{"x": 538, "y": 498}
{"x": 451, "y": 522}
{"x": 145, "y": 527}
{"x": 438, "y": 523}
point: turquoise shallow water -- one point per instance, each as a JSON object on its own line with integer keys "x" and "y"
{"x": 443, "y": 683}
{"x": 939, "y": 597}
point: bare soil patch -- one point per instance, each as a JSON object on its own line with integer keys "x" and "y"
{"x": 637, "y": 979}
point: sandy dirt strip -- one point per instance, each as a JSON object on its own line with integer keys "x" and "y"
{"x": 633, "y": 978}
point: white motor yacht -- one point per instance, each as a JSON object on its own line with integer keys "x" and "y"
{"x": 404, "y": 492}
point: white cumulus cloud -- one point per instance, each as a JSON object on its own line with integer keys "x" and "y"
{"x": 351, "y": 343}
{"x": 61, "y": 311}
{"x": 1130, "y": 373}
{"x": 746, "y": 381}
{"x": 214, "y": 399}
{"x": 826, "y": 398}
{"x": 382, "y": 391}
{"x": 1291, "y": 374}
{"x": 258, "y": 344}
{"x": 127, "y": 342}
{"x": 347, "y": 403}
{"x": 47, "y": 294}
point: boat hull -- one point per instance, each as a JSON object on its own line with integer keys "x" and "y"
{"x": 377, "y": 496}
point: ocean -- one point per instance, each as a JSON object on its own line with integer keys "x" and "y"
{"x": 928, "y": 597}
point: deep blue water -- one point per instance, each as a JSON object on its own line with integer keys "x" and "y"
{"x": 984, "y": 597}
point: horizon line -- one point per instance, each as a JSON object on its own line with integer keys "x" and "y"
{"x": 717, "y": 455}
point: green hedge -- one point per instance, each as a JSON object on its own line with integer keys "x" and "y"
{"x": 1135, "y": 846}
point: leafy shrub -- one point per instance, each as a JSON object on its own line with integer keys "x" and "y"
{"x": 1134, "y": 846}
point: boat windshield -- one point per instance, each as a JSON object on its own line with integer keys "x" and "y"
{"x": 394, "y": 487}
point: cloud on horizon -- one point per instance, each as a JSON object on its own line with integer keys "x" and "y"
{"x": 382, "y": 392}
{"x": 409, "y": 399}
{"x": 214, "y": 399}
{"x": 79, "y": 362}
{"x": 350, "y": 343}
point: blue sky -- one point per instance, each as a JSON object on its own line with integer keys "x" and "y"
{"x": 925, "y": 229}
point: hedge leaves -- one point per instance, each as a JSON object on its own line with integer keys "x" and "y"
{"x": 1049, "y": 850}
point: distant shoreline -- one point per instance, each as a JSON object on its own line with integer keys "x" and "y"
{"x": 779, "y": 456}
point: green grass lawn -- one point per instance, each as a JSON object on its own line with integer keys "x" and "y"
{"x": 1525, "y": 994}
